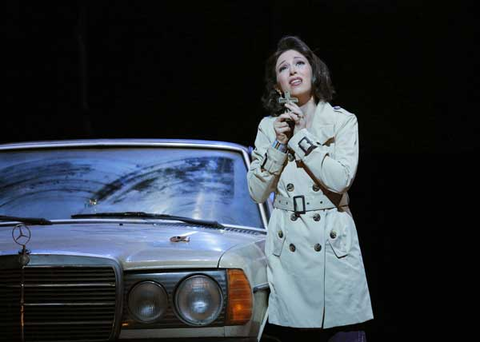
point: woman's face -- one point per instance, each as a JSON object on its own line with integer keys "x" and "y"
{"x": 294, "y": 74}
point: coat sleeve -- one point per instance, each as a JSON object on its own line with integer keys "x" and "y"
{"x": 267, "y": 164}
{"x": 335, "y": 171}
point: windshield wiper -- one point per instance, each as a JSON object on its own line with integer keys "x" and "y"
{"x": 28, "y": 220}
{"x": 152, "y": 216}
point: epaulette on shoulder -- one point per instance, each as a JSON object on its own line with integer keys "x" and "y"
{"x": 342, "y": 111}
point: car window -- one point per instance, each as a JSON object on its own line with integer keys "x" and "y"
{"x": 57, "y": 183}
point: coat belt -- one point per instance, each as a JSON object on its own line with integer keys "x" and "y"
{"x": 301, "y": 204}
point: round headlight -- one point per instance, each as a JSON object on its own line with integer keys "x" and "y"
{"x": 198, "y": 300}
{"x": 147, "y": 301}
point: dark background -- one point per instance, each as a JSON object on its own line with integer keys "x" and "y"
{"x": 170, "y": 69}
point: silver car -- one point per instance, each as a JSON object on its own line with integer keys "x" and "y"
{"x": 130, "y": 240}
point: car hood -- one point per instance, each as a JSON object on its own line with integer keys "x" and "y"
{"x": 134, "y": 245}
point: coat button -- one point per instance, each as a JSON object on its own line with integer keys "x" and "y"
{"x": 316, "y": 217}
{"x": 292, "y": 247}
{"x": 290, "y": 187}
{"x": 317, "y": 247}
{"x": 280, "y": 234}
{"x": 293, "y": 217}
{"x": 315, "y": 188}
{"x": 333, "y": 234}
{"x": 291, "y": 157}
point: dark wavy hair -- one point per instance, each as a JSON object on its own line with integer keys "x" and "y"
{"x": 321, "y": 83}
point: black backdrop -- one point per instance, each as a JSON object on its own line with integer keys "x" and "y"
{"x": 170, "y": 69}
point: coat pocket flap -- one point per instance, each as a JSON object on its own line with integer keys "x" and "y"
{"x": 340, "y": 236}
{"x": 278, "y": 242}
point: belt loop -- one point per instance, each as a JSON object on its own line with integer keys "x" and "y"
{"x": 295, "y": 207}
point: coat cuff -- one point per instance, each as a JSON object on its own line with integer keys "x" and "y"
{"x": 274, "y": 160}
{"x": 303, "y": 143}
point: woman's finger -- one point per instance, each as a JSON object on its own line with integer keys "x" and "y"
{"x": 283, "y": 129}
{"x": 283, "y": 117}
{"x": 293, "y": 107}
{"x": 281, "y": 124}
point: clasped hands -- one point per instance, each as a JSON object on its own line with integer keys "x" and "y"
{"x": 280, "y": 125}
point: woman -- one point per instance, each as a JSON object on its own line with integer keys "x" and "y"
{"x": 315, "y": 268}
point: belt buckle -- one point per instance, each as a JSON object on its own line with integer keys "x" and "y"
{"x": 295, "y": 207}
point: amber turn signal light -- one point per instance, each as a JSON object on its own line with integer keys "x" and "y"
{"x": 240, "y": 301}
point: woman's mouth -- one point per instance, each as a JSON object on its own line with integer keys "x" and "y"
{"x": 294, "y": 82}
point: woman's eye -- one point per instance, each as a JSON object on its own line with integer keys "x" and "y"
{"x": 300, "y": 63}
{"x": 282, "y": 68}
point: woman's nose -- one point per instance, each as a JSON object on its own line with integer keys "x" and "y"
{"x": 293, "y": 70}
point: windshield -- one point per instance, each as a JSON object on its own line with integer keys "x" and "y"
{"x": 203, "y": 184}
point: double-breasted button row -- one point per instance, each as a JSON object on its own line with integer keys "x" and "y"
{"x": 294, "y": 217}
{"x": 333, "y": 234}
{"x": 317, "y": 247}
{"x": 291, "y": 187}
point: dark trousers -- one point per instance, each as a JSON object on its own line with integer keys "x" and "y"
{"x": 350, "y": 333}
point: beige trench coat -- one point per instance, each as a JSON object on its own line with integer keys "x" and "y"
{"x": 315, "y": 267}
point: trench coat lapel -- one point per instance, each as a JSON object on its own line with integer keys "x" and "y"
{"x": 323, "y": 125}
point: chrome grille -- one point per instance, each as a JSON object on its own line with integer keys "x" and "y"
{"x": 62, "y": 303}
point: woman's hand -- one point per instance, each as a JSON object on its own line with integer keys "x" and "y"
{"x": 297, "y": 116}
{"x": 282, "y": 129}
